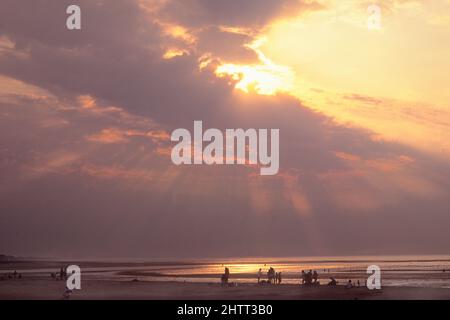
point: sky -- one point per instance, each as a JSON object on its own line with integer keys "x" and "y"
{"x": 86, "y": 117}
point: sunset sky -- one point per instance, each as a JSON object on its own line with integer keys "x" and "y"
{"x": 86, "y": 117}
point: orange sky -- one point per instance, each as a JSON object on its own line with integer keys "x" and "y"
{"x": 394, "y": 81}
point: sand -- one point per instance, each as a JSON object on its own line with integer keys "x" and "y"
{"x": 43, "y": 289}
{"x": 110, "y": 281}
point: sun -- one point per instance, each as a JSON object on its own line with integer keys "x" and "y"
{"x": 265, "y": 78}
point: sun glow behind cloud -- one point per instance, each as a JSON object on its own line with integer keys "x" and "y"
{"x": 382, "y": 80}
{"x": 266, "y": 78}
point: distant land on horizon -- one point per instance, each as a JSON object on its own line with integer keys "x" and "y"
{"x": 4, "y": 257}
{"x": 405, "y": 257}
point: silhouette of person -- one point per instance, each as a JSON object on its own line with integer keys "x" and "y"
{"x": 333, "y": 282}
{"x": 309, "y": 277}
{"x": 225, "y": 276}
{"x": 315, "y": 276}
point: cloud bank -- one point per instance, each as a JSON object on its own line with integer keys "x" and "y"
{"x": 85, "y": 152}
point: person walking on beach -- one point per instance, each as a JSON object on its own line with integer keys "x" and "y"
{"x": 303, "y": 277}
{"x": 259, "y": 275}
{"x": 225, "y": 276}
{"x": 279, "y": 277}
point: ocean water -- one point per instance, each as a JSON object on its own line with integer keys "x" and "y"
{"x": 412, "y": 271}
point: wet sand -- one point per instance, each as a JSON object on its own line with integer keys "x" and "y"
{"x": 43, "y": 289}
{"x": 115, "y": 281}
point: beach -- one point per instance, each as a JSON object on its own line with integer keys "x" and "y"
{"x": 404, "y": 278}
{"x": 40, "y": 289}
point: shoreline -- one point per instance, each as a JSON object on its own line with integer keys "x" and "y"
{"x": 41, "y": 289}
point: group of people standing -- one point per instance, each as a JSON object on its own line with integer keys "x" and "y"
{"x": 61, "y": 275}
{"x": 307, "y": 278}
{"x": 13, "y": 275}
{"x": 310, "y": 277}
{"x": 272, "y": 276}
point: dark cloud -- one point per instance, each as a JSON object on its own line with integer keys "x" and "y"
{"x": 229, "y": 46}
{"x": 246, "y": 13}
